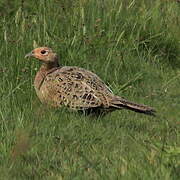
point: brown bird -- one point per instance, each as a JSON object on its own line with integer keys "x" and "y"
{"x": 76, "y": 88}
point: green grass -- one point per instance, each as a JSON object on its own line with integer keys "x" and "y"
{"x": 134, "y": 47}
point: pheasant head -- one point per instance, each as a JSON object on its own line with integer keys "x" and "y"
{"x": 44, "y": 54}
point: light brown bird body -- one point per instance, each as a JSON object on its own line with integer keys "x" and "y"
{"x": 75, "y": 87}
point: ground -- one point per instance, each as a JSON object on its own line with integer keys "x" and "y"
{"x": 134, "y": 47}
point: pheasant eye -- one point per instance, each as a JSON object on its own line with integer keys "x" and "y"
{"x": 43, "y": 52}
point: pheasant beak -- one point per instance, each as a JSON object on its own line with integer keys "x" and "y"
{"x": 31, "y": 54}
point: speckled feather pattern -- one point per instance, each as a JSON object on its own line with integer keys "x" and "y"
{"x": 76, "y": 88}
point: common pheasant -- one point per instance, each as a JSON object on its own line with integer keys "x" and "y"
{"x": 76, "y": 88}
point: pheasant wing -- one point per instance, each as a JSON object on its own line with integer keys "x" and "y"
{"x": 76, "y": 88}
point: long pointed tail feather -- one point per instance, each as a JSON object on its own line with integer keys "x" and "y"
{"x": 122, "y": 103}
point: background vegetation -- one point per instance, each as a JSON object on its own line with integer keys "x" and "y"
{"x": 134, "y": 47}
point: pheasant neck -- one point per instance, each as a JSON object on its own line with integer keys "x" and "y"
{"x": 48, "y": 66}
{"x": 44, "y": 70}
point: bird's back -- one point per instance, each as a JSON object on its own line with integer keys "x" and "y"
{"x": 74, "y": 87}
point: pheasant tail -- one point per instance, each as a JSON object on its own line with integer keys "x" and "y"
{"x": 118, "y": 102}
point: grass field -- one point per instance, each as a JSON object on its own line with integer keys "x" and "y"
{"x": 134, "y": 46}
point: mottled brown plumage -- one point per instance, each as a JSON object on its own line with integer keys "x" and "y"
{"x": 75, "y": 87}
